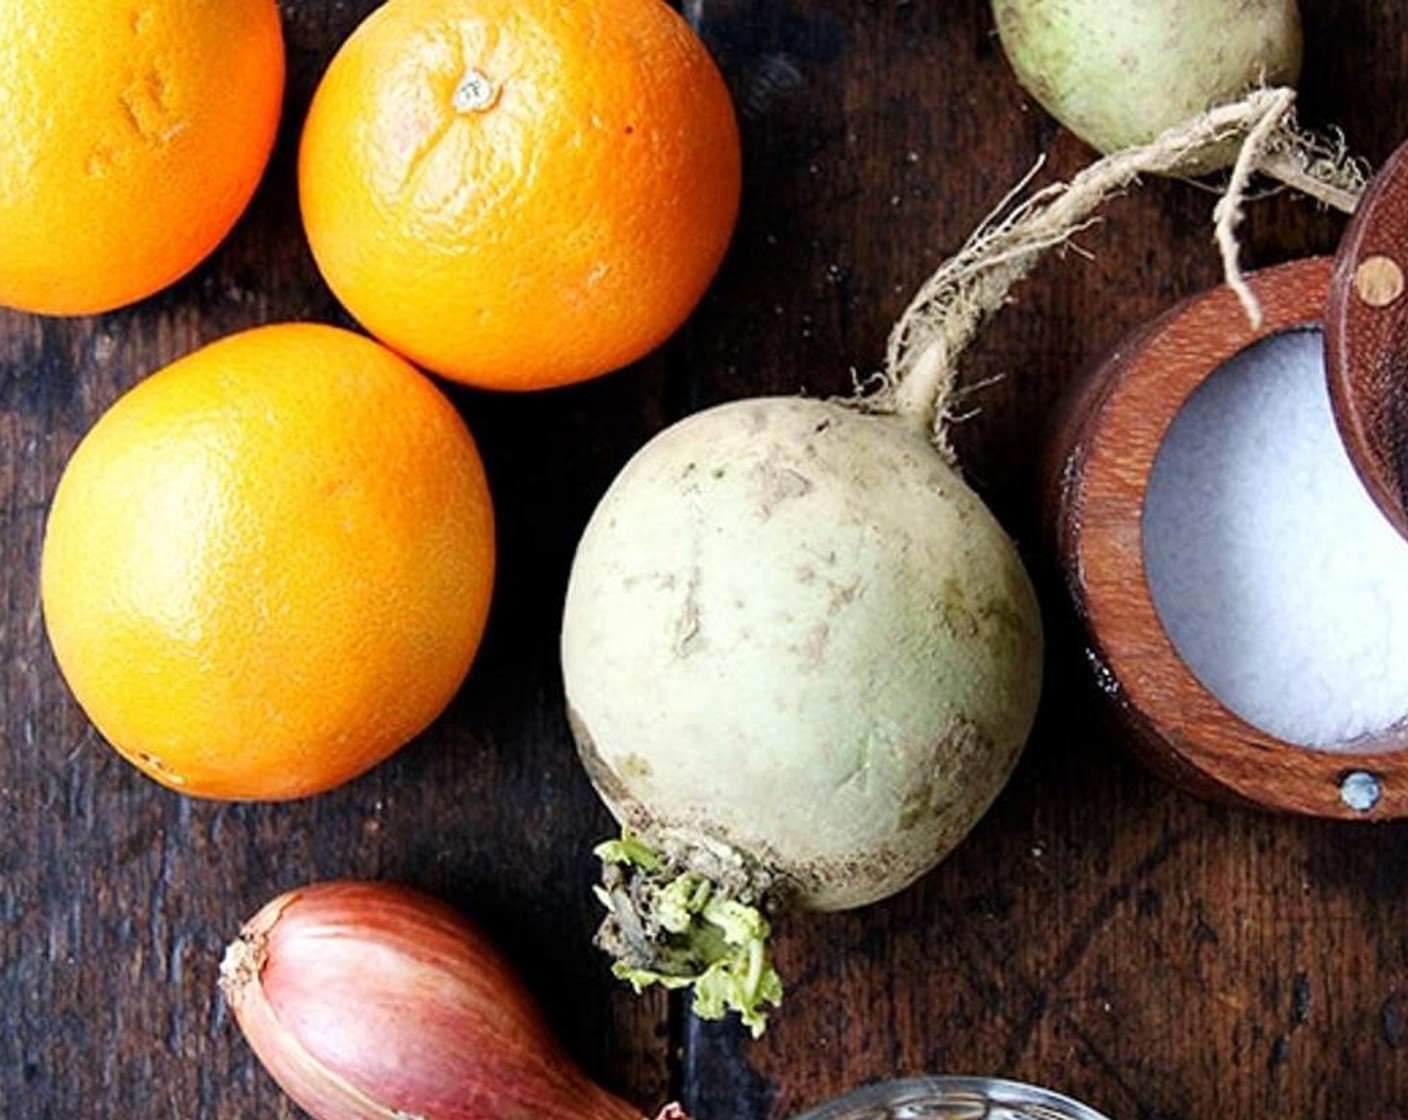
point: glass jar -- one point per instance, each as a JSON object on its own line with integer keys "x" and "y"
{"x": 951, "y": 1098}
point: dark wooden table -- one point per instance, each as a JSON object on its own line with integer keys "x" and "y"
{"x": 1098, "y": 932}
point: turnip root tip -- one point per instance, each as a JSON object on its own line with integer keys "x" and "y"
{"x": 679, "y": 928}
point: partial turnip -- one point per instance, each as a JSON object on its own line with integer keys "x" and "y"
{"x": 1118, "y": 73}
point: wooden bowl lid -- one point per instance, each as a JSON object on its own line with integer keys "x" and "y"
{"x": 1366, "y": 339}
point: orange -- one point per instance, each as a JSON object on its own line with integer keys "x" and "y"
{"x": 520, "y": 193}
{"x": 268, "y": 566}
{"x": 133, "y": 133}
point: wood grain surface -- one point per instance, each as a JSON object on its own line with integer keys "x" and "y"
{"x": 1099, "y": 932}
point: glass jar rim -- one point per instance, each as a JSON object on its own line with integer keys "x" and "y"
{"x": 948, "y": 1097}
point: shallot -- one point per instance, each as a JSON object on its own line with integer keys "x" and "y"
{"x": 368, "y": 1001}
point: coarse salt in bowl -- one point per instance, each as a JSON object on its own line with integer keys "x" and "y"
{"x": 1245, "y": 601}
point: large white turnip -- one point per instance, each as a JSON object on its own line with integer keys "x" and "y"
{"x": 800, "y": 655}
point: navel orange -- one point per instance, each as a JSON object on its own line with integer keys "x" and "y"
{"x": 520, "y": 193}
{"x": 268, "y": 565}
{"x": 133, "y": 134}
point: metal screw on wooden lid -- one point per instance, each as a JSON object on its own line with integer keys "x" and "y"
{"x": 1361, "y": 790}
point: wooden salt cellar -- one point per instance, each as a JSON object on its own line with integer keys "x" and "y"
{"x": 1097, "y": 472}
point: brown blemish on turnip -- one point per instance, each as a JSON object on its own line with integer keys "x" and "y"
{"x": 772, "y": 485}
{"x": 859, "y": 777}
{"x": 876, "y": 867}
{"x": 1004, "y": 629}
{"x": 842, "y": 595}
{"x": 612, "y": 789}
{"x": 951, "y": 758}
{"x": 811, "y": 650}
{"x": 957, "y": 614}
{"x": 687, "y": 637}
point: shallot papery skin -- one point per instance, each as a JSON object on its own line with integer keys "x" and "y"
{"x": 369, "y": 1000}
